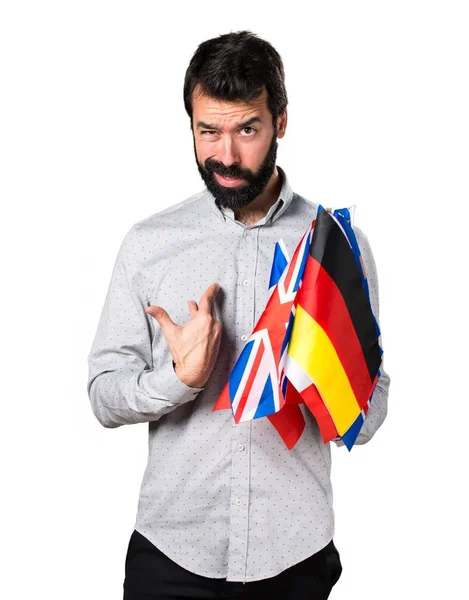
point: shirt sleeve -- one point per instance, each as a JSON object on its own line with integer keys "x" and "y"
{"x": 128, "y": 382}
{"x": 378, "y": 406}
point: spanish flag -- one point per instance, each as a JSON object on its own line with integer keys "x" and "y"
{"x": 333, "y": 355}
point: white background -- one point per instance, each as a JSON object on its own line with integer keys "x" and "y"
{"x": 94, "y": 138}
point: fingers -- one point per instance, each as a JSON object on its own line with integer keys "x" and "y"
{"x": 159, "y": 313}
{"x": 193, "y": 308}
{"x": 206, "y": 304}
{"x": 208, "y": 299}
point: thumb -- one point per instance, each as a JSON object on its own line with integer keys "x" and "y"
{"x": 161, "y": 316}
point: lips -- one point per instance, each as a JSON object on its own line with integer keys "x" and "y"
{"x": 228, "y": 181}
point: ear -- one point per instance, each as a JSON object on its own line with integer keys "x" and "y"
{"x": 282, "y": 123}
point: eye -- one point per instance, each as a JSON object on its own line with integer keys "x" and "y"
{"x": 208, "y": 133}
{"x": 249, "y": 130}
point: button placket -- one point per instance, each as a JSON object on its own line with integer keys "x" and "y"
{"x": 240, "y": 469}
{"x": 240, "y": 491}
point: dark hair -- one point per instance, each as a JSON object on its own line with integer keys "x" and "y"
{"x": 237, "y": 66}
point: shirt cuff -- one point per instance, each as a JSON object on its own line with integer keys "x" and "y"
{"x": 163, "y": 383}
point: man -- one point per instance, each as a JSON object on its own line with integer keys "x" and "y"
{"x": 225, "y": 510}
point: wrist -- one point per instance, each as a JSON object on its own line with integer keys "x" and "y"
{"x": 187, "y": 380}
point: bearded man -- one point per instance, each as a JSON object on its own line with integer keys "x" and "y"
{"x": 224, "y": 510}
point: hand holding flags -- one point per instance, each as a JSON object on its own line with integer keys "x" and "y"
{"x": 316, "y": 341}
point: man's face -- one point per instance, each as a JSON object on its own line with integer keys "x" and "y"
{"x": 234, "y": 140}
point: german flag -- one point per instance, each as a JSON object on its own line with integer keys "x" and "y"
{"x": 333, "y": 356}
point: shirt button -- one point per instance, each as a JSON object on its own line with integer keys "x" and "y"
{"x": 244, "y": 337}
{"x": 241, "y": 447}
{"x": 246, "y": 282}
{"x": 238, "y": 501}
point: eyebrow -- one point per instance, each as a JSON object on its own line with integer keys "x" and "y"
{"x": 202, "y": 125}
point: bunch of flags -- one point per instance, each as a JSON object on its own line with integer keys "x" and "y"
{"x": 317, "y": 341}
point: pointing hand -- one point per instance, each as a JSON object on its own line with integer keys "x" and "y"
{"x": 194, "y": 346}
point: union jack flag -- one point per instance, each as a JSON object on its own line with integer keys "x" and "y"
{"x": 253, "y": 389}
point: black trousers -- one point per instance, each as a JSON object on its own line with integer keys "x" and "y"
{"x": 151, "y": 575}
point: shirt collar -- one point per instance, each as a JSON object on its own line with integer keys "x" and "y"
{"x": 279, "y": 207}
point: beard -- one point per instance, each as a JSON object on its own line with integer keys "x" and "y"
{"x": 241, "y": 195}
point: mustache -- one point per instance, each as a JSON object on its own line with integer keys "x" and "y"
{"x": 233, "y": 171}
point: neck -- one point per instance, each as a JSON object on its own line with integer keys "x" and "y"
{"x": 259, "y": 207}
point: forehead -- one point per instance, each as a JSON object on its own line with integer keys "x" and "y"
{"x": 222, "y": 112}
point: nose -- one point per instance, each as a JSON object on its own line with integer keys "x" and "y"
{"x": 229, "y": 153}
